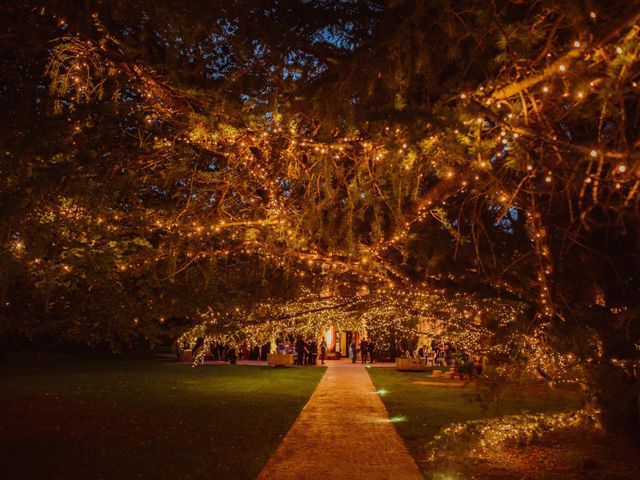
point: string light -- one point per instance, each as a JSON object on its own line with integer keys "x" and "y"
{"x": 262, "y": 174}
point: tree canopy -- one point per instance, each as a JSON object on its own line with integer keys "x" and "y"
{"x": 244, "y": 162}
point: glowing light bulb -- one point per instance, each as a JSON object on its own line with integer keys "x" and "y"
{"x": 622, "y": 168}
{"x": 562, "y": 68}
{"x": 594, "y": 153}
{"x": 576, "y": 44}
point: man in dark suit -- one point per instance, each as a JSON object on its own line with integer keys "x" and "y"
{"x": 372, "y": 350}
{"x": 301, "y": 346}
{"x": 313, "y": 350}
{"x": 363, "y": 350}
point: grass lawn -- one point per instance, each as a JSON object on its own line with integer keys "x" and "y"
{"x": 423, "y": 409}
{"x": 145, "y": 419}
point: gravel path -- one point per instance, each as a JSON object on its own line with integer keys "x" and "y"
{"x": 343, "y": 432}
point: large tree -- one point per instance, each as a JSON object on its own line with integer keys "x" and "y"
{"x": 175, "y": 156}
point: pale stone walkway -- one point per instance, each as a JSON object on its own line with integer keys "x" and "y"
{"x": 343, "y": 432}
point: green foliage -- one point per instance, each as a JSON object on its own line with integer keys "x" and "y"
{"x": 405, "y": 397}
{"x": 502, "y": 432}
{"x": 160, "y": 161}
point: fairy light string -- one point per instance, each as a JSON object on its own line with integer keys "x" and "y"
{"x": 266, "y": 163}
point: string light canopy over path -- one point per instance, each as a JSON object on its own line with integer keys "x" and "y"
{"x": 344, "y": 431}
{"x": 170, "y": 168}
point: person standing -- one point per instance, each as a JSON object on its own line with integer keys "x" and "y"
{"x": 231, "y": 356}
{"x": 307, "y": 352}
{"x": 300, "y": 348}
{"x": 353, "y": 348}
{"x": 363, "y": 350}
{"x": 313, "y": 349}
{"x": 372, "y": 349}
{"x": 477, "y": 365}
{"x": 323, "y": 349}
{"x": 265, "y": 350}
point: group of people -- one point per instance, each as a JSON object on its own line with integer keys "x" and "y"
{"x": 367, "y": 349}
{"x": 305, "y": 350}
{"x": 408, "y": 347}
{"x": 229, "y": 353}
{"x": 443, "y": 353}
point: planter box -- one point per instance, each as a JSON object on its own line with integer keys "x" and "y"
{"x": 410, "y": 364}
{"x": 279, "y": 359}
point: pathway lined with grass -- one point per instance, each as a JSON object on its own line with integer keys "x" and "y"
{"x": 344, "y": 431}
